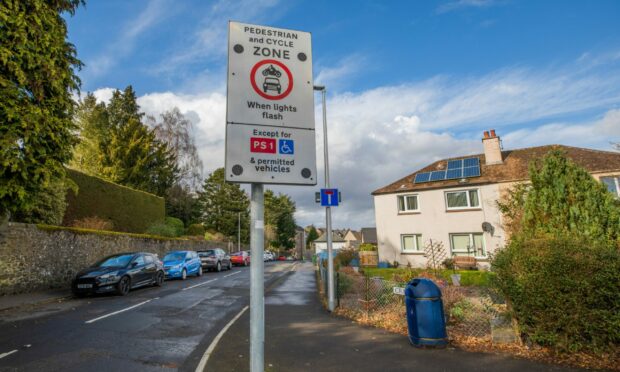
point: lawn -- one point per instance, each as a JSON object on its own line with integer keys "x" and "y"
{"x": 468, "y": 277}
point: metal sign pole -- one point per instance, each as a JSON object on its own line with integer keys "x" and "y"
{"x": 257, "y": 299}
{"x": 328, "y": 211}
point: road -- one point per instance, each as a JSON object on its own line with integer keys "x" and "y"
{"x": 150, "y": 329}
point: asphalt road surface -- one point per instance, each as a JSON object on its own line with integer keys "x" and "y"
{"x": 150, "y": 329}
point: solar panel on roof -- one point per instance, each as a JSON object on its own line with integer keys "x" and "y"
{"x": 471, "y": 171}
{"x": 471, "y": 162}
{"x": 422, "y": 177}
{"x": 454, "y": 173}
{"x": 438, "y": 175}
{"x": 454, "y": 164}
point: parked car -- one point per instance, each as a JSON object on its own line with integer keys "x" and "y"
{"x": 180, "y": 264}
{"x": 268, "y": 256}
{"x": 119, "y": 273}
{"x": 282, "y": 258}
{"x": 215, "y": 259}
{"x": 241, "y": 258}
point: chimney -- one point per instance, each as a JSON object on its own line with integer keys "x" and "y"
{"x": 492, "y": 148}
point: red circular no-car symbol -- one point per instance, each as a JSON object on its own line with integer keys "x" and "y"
{"x": 271, "y": 79}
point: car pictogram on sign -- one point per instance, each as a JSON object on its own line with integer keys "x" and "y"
{"x": 272, "y": 84}
{"x": 271, "y": 79}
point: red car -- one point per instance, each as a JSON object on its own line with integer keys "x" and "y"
{"x": 240, "y": 258}
{"x": 282, "y": 258}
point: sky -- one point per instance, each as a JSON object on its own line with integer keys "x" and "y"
{"x": 408, "y": 82}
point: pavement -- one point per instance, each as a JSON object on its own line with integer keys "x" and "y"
{"x": 33, "y": 299}
{"x": 301, "y": 336}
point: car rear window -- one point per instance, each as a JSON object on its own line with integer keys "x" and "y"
{"x": 206, "y": 253}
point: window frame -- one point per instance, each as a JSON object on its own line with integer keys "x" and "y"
{"x": 616, "y": 179}
{"x": 405, "y": 196}
{"x": 466, "y": 191}
{"x": 418, "y": 250}
{"x": 471, "y": 244}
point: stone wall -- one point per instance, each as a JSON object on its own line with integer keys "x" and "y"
{"x": 34, "y": 258}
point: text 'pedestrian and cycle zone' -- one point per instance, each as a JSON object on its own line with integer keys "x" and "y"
{"x": 270, "y": 135}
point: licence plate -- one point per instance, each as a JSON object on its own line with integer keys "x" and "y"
{"x": 84, "y": 285}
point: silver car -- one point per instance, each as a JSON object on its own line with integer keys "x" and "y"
{"x": 215, "y": 259}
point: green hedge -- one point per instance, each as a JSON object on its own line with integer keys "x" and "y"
{"x": 478, "y": 278}
{"x": 129, "y": 210}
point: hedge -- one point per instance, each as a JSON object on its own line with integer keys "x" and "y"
{"x": 128, "y": 209}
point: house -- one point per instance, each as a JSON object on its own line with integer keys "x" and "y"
{"x": 454, "y": 201}
{"x": 338, "y": 242}
{"x": 369, "y": 235}
{"x": 353, "y": 239}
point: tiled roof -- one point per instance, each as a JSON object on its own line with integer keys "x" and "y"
{"x": 336, "y": 237}
{"x": 514, "y": 168}
{"x": 369, "y": 235}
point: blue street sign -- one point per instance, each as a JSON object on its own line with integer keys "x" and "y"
{"x": 329, "y": 197}
{"x": 286, "y": 147}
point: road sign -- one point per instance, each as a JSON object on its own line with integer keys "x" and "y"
{"x": 399, "y": 291}
{"x": 270, "y": 134}
{"x": 269, "y": 76}
{"x": 329, "y": 197}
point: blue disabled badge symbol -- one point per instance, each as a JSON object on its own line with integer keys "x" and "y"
{"x": 286, "y": 147}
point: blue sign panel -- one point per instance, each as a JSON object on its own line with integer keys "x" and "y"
{"x": 329, "y": 197}
{"x": 286, "y": 147}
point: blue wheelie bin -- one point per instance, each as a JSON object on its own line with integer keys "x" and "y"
{"x": 425, "y": 317}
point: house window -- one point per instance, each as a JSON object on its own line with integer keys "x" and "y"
{"x": 468, "y": 244}
{"x": 463, "y": 199}
{"x": 613, "y": 184}
{"x": 408, "y": 203}
{"x": 411, "y": 242}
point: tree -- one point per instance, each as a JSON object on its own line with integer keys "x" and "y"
{"x": 562, "y": 199}
{"x": 221, "y": 203}
{"x": 279, "y": 213}
{"x": 91, "y": 118}
{"x": 312, "y": 236}
{"x": 183, "y": 204}
{"x": 177, "y": 132}
{"x": 37, "y": 79}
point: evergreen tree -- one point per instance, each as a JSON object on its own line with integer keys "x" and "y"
{"x": 312, "y": 236}
{"x": 183, "y": 204}
{"x": 563, "y": 200}
{"x": 91, "y": 119}
{"x": 221, "y": 203}
{"x": 279, "y": 214}
{"x": 37, "y": 78}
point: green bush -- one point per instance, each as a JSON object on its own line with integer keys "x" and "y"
{"x": 195, "y": 229}
{"x": 367, "y": 247}
{"x": 128, "y": 209}
{"x": 176, "y": 224}
{"x": 162, "y": 229}
{"x": 563, "y": 291}
{"x": 345, "y": 256}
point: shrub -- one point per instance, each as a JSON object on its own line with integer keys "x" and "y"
{"x": 448, "y": 263}
{"x": 563, "y": 290}
{"x": 345, "y": 256}
{"x": 129, "y": 210}
{"x": 176, "y": 224}
{"x": 195, "y": 229}
{"x": 93, "y": 223}
{"x": 214, "y": 236}
{"x": 367, "y": 247}
{"x": 162, "y": 229}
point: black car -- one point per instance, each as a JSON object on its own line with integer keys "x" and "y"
{"x": 215, "y": 259}
{"x": 119, "y": 273}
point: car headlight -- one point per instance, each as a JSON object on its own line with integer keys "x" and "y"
{"x": 107, "y": 278}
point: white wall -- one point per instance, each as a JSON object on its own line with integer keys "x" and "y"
{"x": 319, "y": 246}
{"x": 434, "y": 222}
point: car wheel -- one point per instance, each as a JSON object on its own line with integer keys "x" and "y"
{"x": 159, "y": 279}
{"x": 199, "y": 271}
{"x": 123, "y": 286}
{"x": 184, "y": 274}
{"x": 218, "y": 267}
{"x": 229, "y": 265}
{"x": 245, "y": 262}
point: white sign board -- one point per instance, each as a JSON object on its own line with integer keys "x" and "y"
{"x": 399, "y": 290}
{"x": 269, "y": 77}
{"x": 270, "y": 134}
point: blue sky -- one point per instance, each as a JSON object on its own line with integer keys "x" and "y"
{"x": 409, "y": 82}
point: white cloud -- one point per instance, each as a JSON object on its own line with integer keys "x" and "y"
{"x": 335, "y": 77}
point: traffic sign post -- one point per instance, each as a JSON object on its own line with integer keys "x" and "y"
{"x": 330, "y": 197}
{"x": 269, "y": 134}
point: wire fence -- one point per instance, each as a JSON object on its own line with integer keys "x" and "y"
{"x": 470, "y": 311}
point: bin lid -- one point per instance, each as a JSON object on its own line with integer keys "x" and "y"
{"x": 422, "y": 288}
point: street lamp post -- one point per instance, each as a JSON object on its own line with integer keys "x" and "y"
{"x": 328, "y": 212}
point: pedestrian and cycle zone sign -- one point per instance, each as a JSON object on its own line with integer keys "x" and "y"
{"x": 270, "y": 135}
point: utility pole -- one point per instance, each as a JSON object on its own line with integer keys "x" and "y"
{"x": 257, "y": 285}
{"x": 328, "y": 211}
{"x": 239, "y": 233}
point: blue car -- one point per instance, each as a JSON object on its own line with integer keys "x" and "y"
{"x": 180, "y": 264}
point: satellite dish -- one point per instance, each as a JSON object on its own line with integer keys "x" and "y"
{"x": 487, "y": 227}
